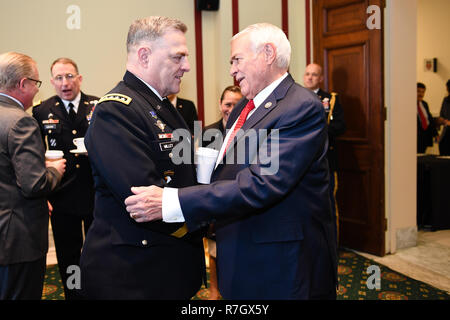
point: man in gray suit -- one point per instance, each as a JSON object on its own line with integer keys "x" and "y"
{"x": 25, "y": 180}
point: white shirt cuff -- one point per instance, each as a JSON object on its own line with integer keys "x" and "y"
{"x": 171, "y": 208}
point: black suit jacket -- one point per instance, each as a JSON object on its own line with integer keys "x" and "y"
{"x": 336, "y": 126}
{"x": 187, "y": 110}
{"x": 129, "y": 145}
{"x": 425, "y": 137}
{"x": 76, "y": 193}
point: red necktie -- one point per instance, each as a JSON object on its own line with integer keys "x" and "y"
{"x": 243, "y": 116}
{"x": 423, "y": 118}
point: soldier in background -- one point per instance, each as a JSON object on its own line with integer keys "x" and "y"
{"x": 63, "y": 118}
{"x": 312, "y": 80}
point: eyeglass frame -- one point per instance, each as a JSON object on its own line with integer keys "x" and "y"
{"x": 67, "y": 76}
{"x": 38, "y": 82}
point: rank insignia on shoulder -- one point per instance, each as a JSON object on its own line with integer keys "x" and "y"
{"x": 116, "y": 97}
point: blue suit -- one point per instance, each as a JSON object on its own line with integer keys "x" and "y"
{"x": 275, "y": 237}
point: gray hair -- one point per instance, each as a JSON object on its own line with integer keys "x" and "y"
{"x": 13, "y": 67}
{"x": 262, "y": 33}
{"x": 151, "y": 28}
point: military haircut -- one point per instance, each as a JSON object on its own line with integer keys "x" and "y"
{"x": 151, "y": 28}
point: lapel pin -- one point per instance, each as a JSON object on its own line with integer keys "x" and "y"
{"x": 158, "y": 107}
{"x": 268, "y": 105}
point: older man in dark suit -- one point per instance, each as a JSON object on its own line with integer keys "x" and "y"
{"x": 24, "y": 182}
{"x": 270, "y": 199}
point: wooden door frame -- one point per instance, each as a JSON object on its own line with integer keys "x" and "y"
{"x": 375, "y": 94}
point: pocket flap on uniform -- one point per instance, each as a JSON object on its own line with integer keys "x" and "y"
{"x": 133, "y": 237}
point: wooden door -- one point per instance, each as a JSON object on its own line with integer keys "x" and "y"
{"x": 352, "y": 57}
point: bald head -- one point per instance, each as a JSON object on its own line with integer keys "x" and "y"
{"x": 313, "y": 76}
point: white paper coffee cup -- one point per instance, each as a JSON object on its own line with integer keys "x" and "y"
{"x": 52, "y": 155}
{"x": 206, "y": 161}
{"x": 79, "y": 143}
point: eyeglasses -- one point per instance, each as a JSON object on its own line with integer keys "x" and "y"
{"x": 38, "y": 82}
{"x": 68, "y": 76}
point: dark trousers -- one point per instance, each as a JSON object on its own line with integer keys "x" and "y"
{"x": 444, "y": 144}
{"x": 68, "y": 236}
{"x": 22, "y": 281}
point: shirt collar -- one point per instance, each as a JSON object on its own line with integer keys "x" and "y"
{"x": 151, "y": 88}
{"x": 264, "y": 93}
{"x": 75, "y": 102}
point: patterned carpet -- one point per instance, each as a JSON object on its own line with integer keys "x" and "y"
{"x": 353, "y": 279}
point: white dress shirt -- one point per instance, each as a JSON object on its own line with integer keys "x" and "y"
{"x": 75, "y": 102}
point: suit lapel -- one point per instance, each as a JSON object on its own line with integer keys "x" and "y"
{"x": 266, "y": 107}
{"x": 83, "y": 109}
{"x": 59, "y": 111}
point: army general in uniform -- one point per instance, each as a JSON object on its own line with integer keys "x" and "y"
{"x": 62, "y": 118}
{"x": 130, "y": 144}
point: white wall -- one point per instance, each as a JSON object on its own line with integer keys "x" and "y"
{"x": 297, "y": 36}
{"x": 401, "y": 135}
{"x": 38, "y": 28}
